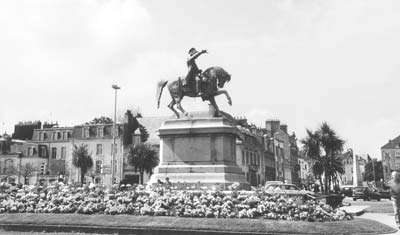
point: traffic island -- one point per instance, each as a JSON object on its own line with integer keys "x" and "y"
{"x": 129, "y": 224}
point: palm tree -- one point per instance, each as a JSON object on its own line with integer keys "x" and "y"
{"x": 332, "y": 145}
{"x": 143, "y": 157}
{"x": 312, "y": 149}
{"x": 82, "y": 159}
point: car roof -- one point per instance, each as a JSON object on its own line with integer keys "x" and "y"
{"x": 281, "y": 184}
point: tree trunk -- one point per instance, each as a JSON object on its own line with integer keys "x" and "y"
{"x": 82, "y": 175}
{"x": 320, "y": 183}
{"x": 141, "y": 177}
{"x": 329, "y": 184}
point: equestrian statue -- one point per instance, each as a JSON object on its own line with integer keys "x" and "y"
{"x": 196, "y": 83}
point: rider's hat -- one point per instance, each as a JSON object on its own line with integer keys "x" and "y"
{"x": 192, "y": 51}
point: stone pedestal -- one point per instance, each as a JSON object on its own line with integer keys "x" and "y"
{"x": 199, "y": 151}
{"x": 357, "y": 179}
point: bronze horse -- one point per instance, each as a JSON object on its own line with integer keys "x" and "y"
{"x": 214, "y": 78}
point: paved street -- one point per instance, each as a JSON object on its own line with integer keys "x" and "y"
{"x": 381, "y": 211}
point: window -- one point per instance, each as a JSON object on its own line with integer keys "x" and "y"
{"x": 53, "y": 152}
{"x": 100, "y": 131}
{"x": 65, "y": 135}
{"x": 99, "y": 149}
{"x": 243, "y": 159}
{"x": 247, "y": 158}
{"x": 41, "y": 136}
{"x": 397, "y": 166}
{"x": 86, "y": 132}
{"x": 43, "y": 151}
{"x": 54, "y": 136}
{"x": 8, "y": 166}
{"x": 30, "y": 151}
{"x": 98, "y": 167}
{"x": 63, "y": 153}
{"x": 116, "y": 148}
{"x": 397, "y": 154}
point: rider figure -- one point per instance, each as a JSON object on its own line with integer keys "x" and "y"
{"x": 194, "y": 71}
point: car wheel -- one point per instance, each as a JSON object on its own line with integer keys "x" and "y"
{"x": 354, "y": 199}
{"x": 364, "y": 199}
{"x": 379, "y": 199}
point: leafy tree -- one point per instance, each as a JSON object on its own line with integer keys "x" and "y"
{"x": 369, "y": 170}
{"x": 82, "y": 159}
{"x": 27, "y": 171}
{"x": 333, "y": 146}
{"x": 144, "y": 134}
{"x": 143, "y": 157}
{"x": 316, "y": 144}
{"x": 101, "y": 120}
{"x": 312, "y": 148}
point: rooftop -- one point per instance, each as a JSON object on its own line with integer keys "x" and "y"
{"x": 392, "y": 144}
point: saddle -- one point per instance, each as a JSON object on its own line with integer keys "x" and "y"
{"x": 190, "y": 86}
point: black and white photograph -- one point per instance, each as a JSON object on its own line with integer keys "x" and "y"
{"x": 199, "y": 117}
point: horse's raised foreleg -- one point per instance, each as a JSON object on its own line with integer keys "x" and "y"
{"x": 220, "y": 92}
{"x": 171, "y": 106}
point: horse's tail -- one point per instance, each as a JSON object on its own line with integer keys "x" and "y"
{"x": 160, "y": 86}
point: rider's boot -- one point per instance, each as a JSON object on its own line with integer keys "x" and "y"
{"x": 198, "y": 87}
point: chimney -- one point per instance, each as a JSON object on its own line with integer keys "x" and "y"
{"x": 284, "y": 128}
{"x": 272, "y": 126}
{"x": 128, "y": 116}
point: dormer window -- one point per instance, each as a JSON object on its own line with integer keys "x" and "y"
{"x": 85, "y": 132}
{"x": 54, "y": 135}
{"x": 41, "y": 135}
{"x": 100, "y": 131}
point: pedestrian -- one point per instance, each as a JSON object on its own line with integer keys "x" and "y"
{"x": 168, "y": 183}
{"x": 395, "y": 195}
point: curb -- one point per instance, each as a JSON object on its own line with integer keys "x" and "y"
{"x": 136, "y": 230}
{"x": 122, "y": 230}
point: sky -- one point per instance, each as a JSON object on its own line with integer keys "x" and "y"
{"x": 302, "y": 62}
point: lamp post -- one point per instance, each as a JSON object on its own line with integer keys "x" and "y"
{"x": 116, "y": 88}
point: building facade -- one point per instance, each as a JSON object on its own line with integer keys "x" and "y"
{"x": 249, "y": 152}
{"x": 305, "y": 175}
{"x": 54, "y": 145}
{"x": 20, "y": 161}
{"x": 390, "y": 153}
{"x": 286, "y": 151}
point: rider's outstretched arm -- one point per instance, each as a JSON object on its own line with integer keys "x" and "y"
{"x": 194, "y": 56}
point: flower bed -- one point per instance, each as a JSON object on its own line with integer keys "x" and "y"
{"x": 159, "y": 201}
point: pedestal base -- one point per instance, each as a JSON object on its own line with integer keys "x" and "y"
{"x": 199, "y": 152}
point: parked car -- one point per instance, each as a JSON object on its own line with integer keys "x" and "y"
{"x": 289, "y": 189}
{"x": 384, "y": 193}
{"x": 272, "y": 182}
{"x": 347, "y": 190}
{"x": 365, "y": 193}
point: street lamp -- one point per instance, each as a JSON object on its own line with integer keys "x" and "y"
{"x": 116, "y": 88}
